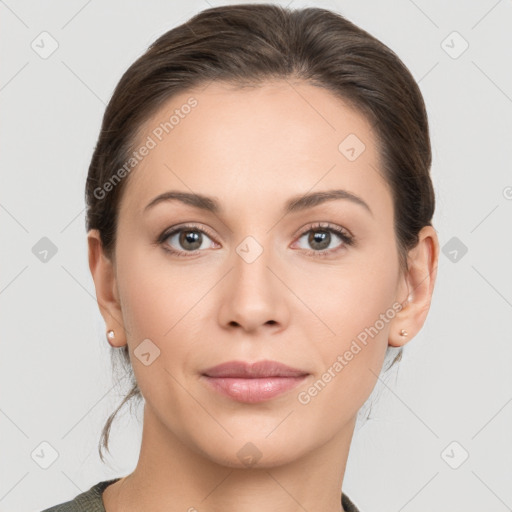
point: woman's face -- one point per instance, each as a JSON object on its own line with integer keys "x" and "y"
{"x": 263, "y": 277}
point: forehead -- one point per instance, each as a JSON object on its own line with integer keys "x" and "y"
{"x": 282, "y": 135}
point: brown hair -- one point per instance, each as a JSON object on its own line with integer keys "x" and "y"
{"x": 247, "y": 44}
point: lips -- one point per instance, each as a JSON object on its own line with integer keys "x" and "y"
{"x": 252, "y": 383}
{"x": 259, "y": 369}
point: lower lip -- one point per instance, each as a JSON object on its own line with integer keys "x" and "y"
{"x": 253, "y": 390}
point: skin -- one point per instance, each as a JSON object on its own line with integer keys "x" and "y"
{"x": 252, "y": 149}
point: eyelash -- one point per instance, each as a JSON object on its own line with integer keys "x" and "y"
{"x": 343, "y": 234}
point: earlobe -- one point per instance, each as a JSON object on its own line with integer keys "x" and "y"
{"x": 400, "y": 332}
{"x": 103, "y": 275}
{"x": 419, "y": 280}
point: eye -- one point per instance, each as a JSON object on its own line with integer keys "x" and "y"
{"x": 320, "y": 238}
{"x": 185, "y": 239}
{"x": 188, "y": 240}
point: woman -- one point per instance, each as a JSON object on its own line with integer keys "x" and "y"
{"x": 259, "y": 228}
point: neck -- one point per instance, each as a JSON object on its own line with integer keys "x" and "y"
{"x": 171, "y": 476}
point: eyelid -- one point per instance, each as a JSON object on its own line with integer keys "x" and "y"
{"x": 312, "y": 226}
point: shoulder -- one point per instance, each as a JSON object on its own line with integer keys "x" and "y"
{"x": 347, "y": 504}
{"x": 88, "y": 501}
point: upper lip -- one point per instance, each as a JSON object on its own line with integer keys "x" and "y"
{"x": 258, "y": 369}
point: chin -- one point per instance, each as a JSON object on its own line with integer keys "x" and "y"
{"x": 258, "y": 453}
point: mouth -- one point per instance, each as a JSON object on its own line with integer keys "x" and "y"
{"x": 253, "y": 383}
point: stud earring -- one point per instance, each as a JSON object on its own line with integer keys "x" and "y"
{"x": 403, "y": 332}
{"x": 110, "y": 336}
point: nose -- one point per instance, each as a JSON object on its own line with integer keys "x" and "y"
{"x": 253, "y": 296}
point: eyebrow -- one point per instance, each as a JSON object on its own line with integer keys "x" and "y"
{"x": 294, "y": 204}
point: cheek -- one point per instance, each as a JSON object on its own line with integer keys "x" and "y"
{"x": 151, "y": 290}
{"x": 356, "y": 304}
{"x": 351, "y": 297}
{"x": 155, "y": 310}
{"x": 153, "y": 303}
{"x": 162, "y": 302}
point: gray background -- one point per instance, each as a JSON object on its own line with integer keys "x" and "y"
{"x": 455, "y": 382}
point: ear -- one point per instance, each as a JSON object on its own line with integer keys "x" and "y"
{"x": 105, "y": 282}
{"x": 416, "y": 288}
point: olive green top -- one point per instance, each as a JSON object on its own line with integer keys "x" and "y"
{"x": 90, "y": 501}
